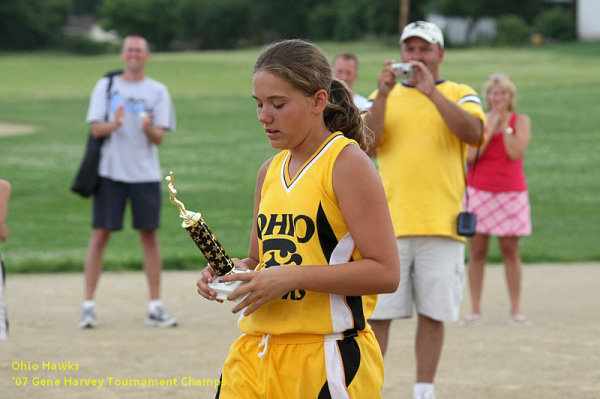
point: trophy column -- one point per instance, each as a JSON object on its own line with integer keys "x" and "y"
{"x": 208, "y": 244}
{"x": 204, "y": 238}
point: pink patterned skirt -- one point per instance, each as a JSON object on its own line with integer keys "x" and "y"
{"x": 504, "y": 214}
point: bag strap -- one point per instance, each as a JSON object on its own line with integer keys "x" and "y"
{"x": 110, "y": 75}
{"x": 471, "y": 170}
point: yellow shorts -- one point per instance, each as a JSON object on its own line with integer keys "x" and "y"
{"x": 303, "y": 366}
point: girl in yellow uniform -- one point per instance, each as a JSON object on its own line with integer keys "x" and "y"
{"x": 322, "y": 243}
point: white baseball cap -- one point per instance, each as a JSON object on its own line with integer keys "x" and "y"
{"x": 425, "y": 30}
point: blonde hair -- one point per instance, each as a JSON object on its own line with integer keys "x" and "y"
{"x": 306, "y": 68}
{"x": 502, "y": 80}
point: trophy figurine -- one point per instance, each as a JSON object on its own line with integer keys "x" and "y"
{"x": 207, "y": 243}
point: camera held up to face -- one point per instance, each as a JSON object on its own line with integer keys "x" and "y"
{"x": 404, "y": 70}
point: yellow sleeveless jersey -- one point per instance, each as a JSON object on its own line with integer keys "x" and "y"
{"x": 300, "y": 223}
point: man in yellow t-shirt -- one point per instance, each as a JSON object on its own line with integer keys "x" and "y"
{"x": 422, "y": 128}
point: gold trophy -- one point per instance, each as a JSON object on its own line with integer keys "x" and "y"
{"x": 207, "y": 243}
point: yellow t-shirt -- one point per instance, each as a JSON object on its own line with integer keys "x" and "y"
{"x": 300, "y": 223}
{"x": 421, "y": 161}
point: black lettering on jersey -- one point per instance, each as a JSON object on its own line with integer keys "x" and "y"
{"x": 280, "y": 251}
{"x": 301, "y": 227}
{"x": 261, "y": 222}
{"x": 295, "y": 295}
{"x": 275, "y": 231}
{"x": 280, "y": 225}
{"x": 303, "y": 223}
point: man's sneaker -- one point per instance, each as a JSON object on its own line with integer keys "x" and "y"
{"x": 160, "y": 317}
{"x": 88, "y": 317}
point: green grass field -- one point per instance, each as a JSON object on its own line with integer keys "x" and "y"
{"x": 219, "y": 146}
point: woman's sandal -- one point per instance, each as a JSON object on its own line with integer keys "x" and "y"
{"x": 519, "y": 320}
{"x": 472, "y": 320}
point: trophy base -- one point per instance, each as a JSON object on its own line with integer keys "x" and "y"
{"x": 223, "y": 289}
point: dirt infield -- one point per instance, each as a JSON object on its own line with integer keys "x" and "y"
{"x": 9, "y": 129}
{"x": 559, "y": 357}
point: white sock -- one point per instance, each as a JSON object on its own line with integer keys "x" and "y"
{"x": 89, "y": 304}
{"x": 422, "y": 387}
{"x": 154, "y": 304}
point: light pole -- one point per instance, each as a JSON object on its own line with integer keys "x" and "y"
{"x": 404, "y": 14}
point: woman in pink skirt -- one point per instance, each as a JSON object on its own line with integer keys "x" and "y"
{"x": 497, "y": 193}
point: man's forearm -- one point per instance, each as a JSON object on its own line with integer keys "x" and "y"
{"x": 462, "y": 124}
{"x": 103, "y": 129}
{"x": 155, "y": 134}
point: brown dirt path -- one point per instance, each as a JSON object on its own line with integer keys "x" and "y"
{"x": 558, "y": 357}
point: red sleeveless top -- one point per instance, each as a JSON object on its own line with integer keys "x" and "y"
{"x": 495, "y": 171}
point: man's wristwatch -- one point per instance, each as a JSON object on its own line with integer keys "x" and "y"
{"x": 509, "y": 130}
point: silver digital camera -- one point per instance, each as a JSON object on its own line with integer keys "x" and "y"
{"x": 404, "y": 70}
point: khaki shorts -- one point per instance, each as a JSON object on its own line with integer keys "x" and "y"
{"x": 302, "y": 367}
{"x": 432, "y": 271}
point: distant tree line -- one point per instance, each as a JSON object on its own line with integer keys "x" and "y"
{"x": 206, "y": 24}
{"x": 516, "y": 19}
{"x": 210, "y": 24}
{"x": 32, "y": 24}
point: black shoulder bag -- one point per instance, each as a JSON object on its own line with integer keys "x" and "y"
{"x": 85, "y": 182}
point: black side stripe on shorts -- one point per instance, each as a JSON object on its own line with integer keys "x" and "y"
{"x": 218, "y": 395}
{"x": 350, "y": 353}
{"x": 324, "y": 394}
{"x": 3, "y": 312}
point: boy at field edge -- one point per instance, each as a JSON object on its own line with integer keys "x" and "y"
{"x": 5, "y": 189}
